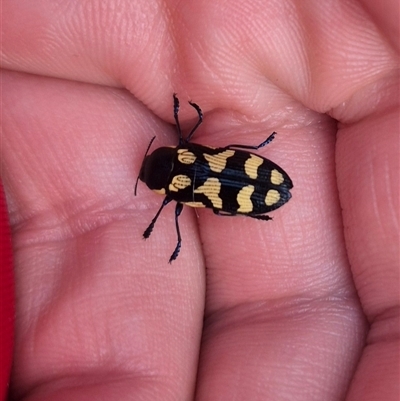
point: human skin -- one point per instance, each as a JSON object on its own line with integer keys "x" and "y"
{"x": 303, "y": 307}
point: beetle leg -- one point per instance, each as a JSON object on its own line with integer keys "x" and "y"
{"x": 149, "y": 229}
{"x": 178, "y": 125}
{"x": 178, "y": 211}
{"x": 264, "y": 217}
{"x": 266, "y": 142}
{"x": 254, "y": 216}
{"x": 219, "y": 213}
{"x": 200, "y": 120}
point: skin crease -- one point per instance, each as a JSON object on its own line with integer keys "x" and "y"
{"x": 303, "y": 307}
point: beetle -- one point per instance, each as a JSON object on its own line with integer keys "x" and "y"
{"x": 230, "y": 180}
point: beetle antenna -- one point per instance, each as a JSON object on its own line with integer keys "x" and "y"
{"x": 147, "y": 151}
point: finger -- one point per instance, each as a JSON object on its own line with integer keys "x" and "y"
{"x": 99, "y": 309}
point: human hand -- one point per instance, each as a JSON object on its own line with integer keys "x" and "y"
{"x": 300, "y": 308}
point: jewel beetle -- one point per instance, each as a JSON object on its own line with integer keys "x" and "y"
{"x": 230, "y": 180}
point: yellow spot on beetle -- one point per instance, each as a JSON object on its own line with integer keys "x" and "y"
{"x": 272, "y": 197}
{"x": 218, "y": 162}
{"x": 179, "y": 182}
{"x": 159, "y": 191}
{"x": 276, "y": 177}
{"x": 186, "y": 157}
{"x": 251, "y": 166}
{"x": 211, "y": 189}
{"x": 195, "y": 204}
{"x": 243, "y": 198}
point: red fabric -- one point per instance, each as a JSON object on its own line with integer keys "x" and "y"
{"x": 6, "y": 299}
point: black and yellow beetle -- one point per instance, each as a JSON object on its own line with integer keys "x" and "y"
{"x": 228, "y": 180}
